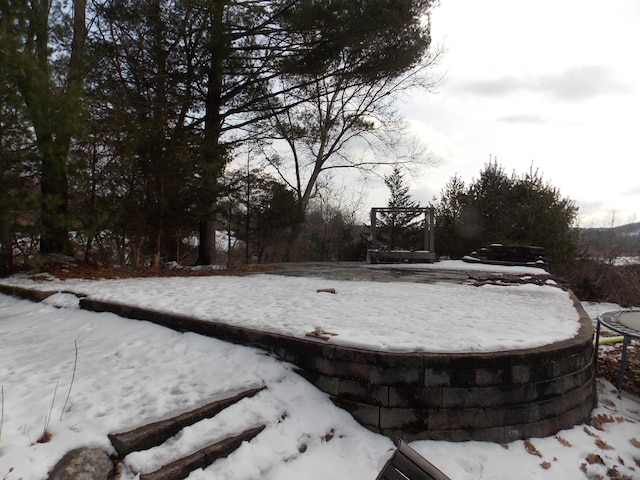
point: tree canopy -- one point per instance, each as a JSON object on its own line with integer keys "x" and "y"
{"x": 42, "y": 55}
{"x": 401, "y": 229}
{"x": 509, "y": 209}
{"x": 134, "y": 108}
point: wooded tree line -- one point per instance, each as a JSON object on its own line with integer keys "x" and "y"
{"x": 493, "y": 208}
{"x": 508, "y": 209}
{"x": 118, "y": 118}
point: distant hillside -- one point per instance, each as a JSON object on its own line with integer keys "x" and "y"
{"x": 621, "y": 240}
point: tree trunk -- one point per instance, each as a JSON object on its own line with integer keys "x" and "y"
{"x": 214, "y": 158}
{"x": 6, "y": 250}
{"x": 207, "y": 245}
{"x": 54, "y": 202}
{"x": 172, "y": 247}
{"x": 55, "y": 119}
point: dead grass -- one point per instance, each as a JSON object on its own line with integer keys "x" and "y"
{"x": 65, "y": 271}
{"x": 597, "y": 281}
{"x": 609, "y": 359}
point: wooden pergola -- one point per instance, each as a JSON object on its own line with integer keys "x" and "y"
{"x": 427, "y": 254}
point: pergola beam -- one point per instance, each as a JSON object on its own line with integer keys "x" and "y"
{"x": 429, "y": 223}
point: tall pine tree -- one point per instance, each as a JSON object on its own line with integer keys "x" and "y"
{"x": 44, "y": 46}
{"x": 401, "y": 228}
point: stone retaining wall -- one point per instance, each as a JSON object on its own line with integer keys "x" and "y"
{"x": 25, "y": 293}
{"x": 498, "y": 397}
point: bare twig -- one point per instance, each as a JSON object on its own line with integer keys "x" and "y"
{"x": 47, "y": 418}
{"x": 6, "y": 475}
{"x": 1, "y": 410}
{"x": 73, "y": 376}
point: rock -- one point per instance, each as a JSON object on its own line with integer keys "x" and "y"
{"x": 171, "y": 266}
{"x": 83, "y": 464}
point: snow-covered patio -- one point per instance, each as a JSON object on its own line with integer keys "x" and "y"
{"x": 390, "y": 316}
{"x": 130, "y": 372}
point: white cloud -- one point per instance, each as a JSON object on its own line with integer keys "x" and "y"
{"x": 574, "y": 84}
{"x": 531, "y": 119}
{"x": 546, "y": 82}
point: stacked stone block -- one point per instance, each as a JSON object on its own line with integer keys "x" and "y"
{"x": 496, "y": 396}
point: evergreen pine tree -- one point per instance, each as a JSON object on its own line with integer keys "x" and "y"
{"x": 401, "y": 229}
{"x": 498, "y": 208}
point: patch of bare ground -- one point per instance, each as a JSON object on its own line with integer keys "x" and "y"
{"x": 64, "y": 271}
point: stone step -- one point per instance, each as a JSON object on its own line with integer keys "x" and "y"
{"x": 156, "y": 433}
{"x": 181, "y": 468}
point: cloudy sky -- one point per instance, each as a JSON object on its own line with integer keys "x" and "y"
{"x": 548, "y": 84}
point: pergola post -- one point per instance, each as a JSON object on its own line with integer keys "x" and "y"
{"x": 374, "y": 217}
{"x": 429, "y": 229}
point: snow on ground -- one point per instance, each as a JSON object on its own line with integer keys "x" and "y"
{"x": 464, "y": 266}
{"x": 397, "y": 316}
{"x": 130, "y": 372}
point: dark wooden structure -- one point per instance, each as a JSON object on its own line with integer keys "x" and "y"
{"x": 498, "y": 254}
{"x": 427, "y": 254}
{"x": 407, "y": 464}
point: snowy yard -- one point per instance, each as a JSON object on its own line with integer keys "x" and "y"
{"x": 394, "y": 316}
{"x": 131, "y": 372}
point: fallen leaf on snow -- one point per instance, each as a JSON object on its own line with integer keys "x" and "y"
{"x": 563, "y": 441}
{"x": 613, "y": 474}
{"x": 600, "y": 419}
{"x": 590, "y": 433}
{"x": 594, "y": 458}
{"x": 603, "y": 445}
{"x": 621, "y": 419}
{"x": 531, "y": 448}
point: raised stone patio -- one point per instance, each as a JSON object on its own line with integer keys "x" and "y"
{"x": 497, "y": 396}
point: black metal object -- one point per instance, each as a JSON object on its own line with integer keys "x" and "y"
{"x": 612, "y": 321}
{"x": 407, "y": 464}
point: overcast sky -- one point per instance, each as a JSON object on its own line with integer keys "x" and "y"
{"x": 553, "y": 84}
